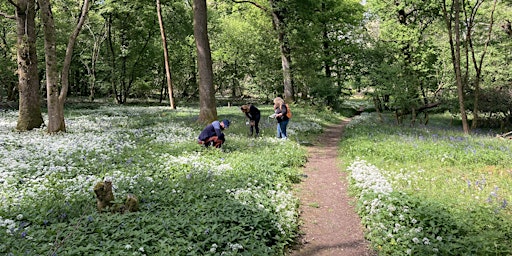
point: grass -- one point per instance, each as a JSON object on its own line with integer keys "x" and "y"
{"x": 193, "y": 201}
{"x": 430, "y": 190}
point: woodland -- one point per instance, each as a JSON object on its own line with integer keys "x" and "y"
{"x": 409, "y": 57}
{"x": 100, "y": 91}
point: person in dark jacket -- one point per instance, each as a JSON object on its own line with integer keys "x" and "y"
{"x": 253, "y": 114}
{"x": 280, "y": 111}
{"x": 212, "y": 134}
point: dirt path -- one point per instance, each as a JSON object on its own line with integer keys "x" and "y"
{"x": 330, "y": 225}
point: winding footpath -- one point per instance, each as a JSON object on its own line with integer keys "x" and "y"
{"x": 330, "y": 225}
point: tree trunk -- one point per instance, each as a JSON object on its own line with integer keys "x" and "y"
{"x": 28, "y": 83}
{"x": 55, "y": 108}
{"x": 113, "y": 68}
{"x": 91, "y": 71}
{"x": 207, "y": 102}
{"x": 284, "y": 47}
{"x": 325, "y": 44}
{"x": 56, "y": 98}
{"x": 478, "y": 63}
{"x": 455, "y": 51}
{"x": 166, "y": 55}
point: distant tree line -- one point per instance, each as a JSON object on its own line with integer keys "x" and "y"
{"x": 409, "y": 57}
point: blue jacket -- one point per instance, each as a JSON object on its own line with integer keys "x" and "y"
{"x": 211, "y": 130}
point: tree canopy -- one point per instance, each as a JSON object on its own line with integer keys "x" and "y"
{"x": 397, "y": 54}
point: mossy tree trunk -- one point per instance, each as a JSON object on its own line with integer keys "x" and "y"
{"x": 28, "y": 83}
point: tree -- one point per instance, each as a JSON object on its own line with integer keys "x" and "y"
{"x": 278, "y": 19}
{"x": 8, "y": 77}
{"x": 452, "y": 21}
{"x": 278, "y": 12}
{"x": 28, "y": 83}
{"x": 243, "y": 51}
{"x": 56, "y": 97}
{"x": 477, "y": 62}
{"x": 89, "y": 57}
{"x": 207, "y": 102}
{"x": 406, "y": 55}
{"x": 166, "y": 54}
{"x": 326, "y": 42}
{"x": 132, "y": 46}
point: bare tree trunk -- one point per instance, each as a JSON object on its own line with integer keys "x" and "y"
{"x": 478, "y": 63}
{"x": 56, "y": 98}
{"x": 113, "y": 82}
{"x": 28, "y": 83}
{"x": 458, "y": 75}
{"x": 284, "y": 47}
{"x": 325, "y": 44}
{"x": 207, "y": 102}
{"x": 95, "y": 52}
{"x": 455, "y": 51}
{"x": 166, "y": 55}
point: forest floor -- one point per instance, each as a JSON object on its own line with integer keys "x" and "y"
{"x": 329, "y": 223}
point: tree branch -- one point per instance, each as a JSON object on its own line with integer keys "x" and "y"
{"x": 7, "y": 16}
{"x": 13, "y": 3}
{"x": 250, "y": 2}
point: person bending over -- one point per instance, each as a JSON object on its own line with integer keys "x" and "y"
{"x": 212, "y": 134}
{"x": 253, "y": 113}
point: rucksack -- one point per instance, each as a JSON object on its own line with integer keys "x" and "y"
{"x": 288, "y": 111}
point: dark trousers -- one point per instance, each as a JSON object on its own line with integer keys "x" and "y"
{"x": 254, "y": 125}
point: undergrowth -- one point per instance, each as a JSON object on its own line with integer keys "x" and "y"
{"x": 430, "y": 190}
{"x": 193, "y": 200}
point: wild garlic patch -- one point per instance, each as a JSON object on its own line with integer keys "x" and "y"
{"x": 192, "y": 200}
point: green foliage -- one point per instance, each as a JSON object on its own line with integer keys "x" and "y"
{"x": 193, "y": 200}
{"x": 243, "y": 36}
{"x": 430, "y": 190}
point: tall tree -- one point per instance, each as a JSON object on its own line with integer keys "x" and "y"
{"x": 133, "y": 45}
{"x": 166, "y": 54}
{"x": 278, "y": 12}
{"x": 403, "y": 77}
{"x": 28, "y": 83}
{"x": 90, "y": 56}
{"x": 56, "y": 95}
{"x": 470, "y": 17}
{"x": 452, "y": 20}
{"x": 207, "y": 102}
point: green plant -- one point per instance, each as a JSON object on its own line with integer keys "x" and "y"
{"x": 429, "y": 190}
{"x": 193, "y": 200}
